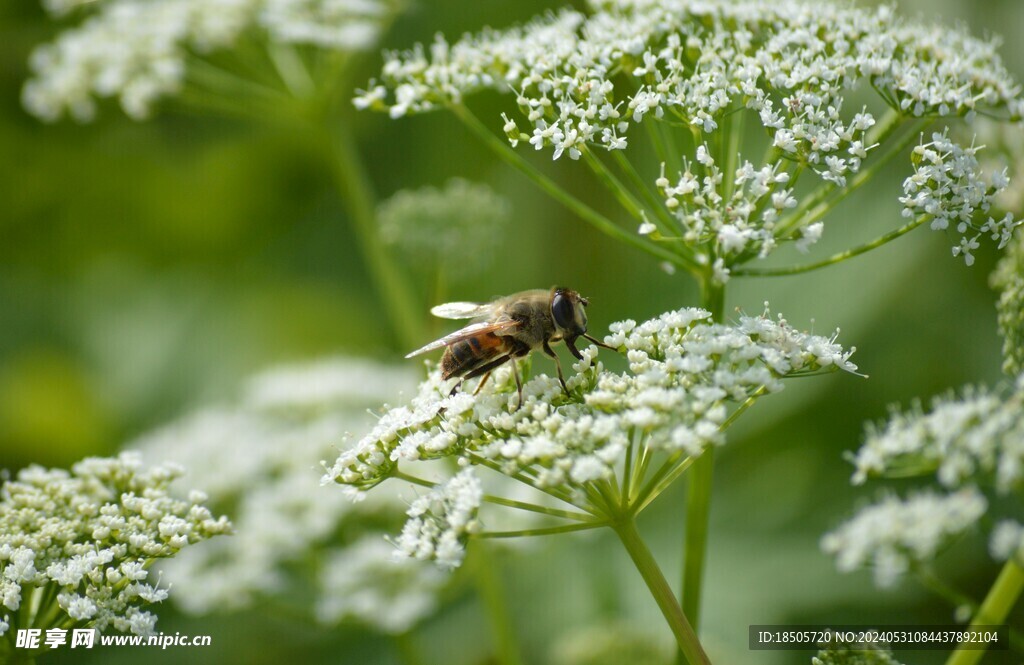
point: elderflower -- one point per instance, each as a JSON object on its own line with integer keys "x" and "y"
{"x": 257, "y": 460}
{"x": 683, "y": 372}
{"x": 582, "y": 81}
{"x": 895, "y": 534}
{"x": 1008, "y": 278}
{"x": 978, "y": 435}
{"x": 139, "y": 51}
{"x": 457, "y": 228}
{"x": 76, "y": 546}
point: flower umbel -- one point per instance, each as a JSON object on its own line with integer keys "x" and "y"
{"x": 76, "y": 546}
{"x": 257, "y": 460}
{"x": 609, "y": 431}
{"x": 895, "y": 534}
{"x": 138, "y": 51}
{"x": 979, "y": 436}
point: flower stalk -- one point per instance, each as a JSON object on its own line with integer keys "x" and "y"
{"x": 690, "y": 647}
{"x": 994, "y": 609}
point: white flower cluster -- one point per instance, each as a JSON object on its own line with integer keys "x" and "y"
{"x": 978, "y": 436}
{"x": 894, "y": 534}
{"x": 441, "y": 521}
{"x": 949, "y": 186}
{"x": 257, "y": 460}
{"x": 76, "y": 547}
{"x": 1007, "y": 540}
{"x": 743, "y": 224}
{"x": 139, "y": 51}
{"x": 1008, "y": 278}
{"x": 683, "y": 371}
{"x": 585, "y": 79}
{"x": 457, "y": 227}
{"x": 402, "y": 592}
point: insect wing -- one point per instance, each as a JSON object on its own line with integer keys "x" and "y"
{"x": 472, "y": 330}
{"x": 461, "y": 310}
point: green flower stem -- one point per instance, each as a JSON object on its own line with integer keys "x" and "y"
{"x": 544, "y": 510}
{"x": 519, "y": 476}
{"x": 698, "y": 500}
{"x": 670, "y": 471}
{"x": 657, "y": 486}
{"x": 835, "y": 258}
{"x": 994, "y": 609}
{"x": 503, "y": 151}
{"x": 357, "y": 195}
{"x": 543, "y": 531}
{"x": 486, "y": 568}
{"x": 654, "y": 204}
{"x": 733, "y": 128}
{"x": 690, "y": 648}
{"x": 289, "y": 66}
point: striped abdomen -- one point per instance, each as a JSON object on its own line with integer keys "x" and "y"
{"x": 465, "y": 355}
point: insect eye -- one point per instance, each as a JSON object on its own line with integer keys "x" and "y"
{"x": 562, "y": 311}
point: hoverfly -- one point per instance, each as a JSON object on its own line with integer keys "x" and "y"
{"x": 509, "y": 328}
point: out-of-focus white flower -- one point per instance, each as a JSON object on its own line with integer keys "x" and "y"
{"x": 367, "y": 582}
{"x": 894, "y": 534}
{"x": 963, "y": 440}
{"x": 456, "y": 228}
{"x": 85, "y": 539}
{"x": 610, "y": 643}
{"x": 1007, "y": 540}
{"x": 258, "y": 459}
{"x": 138, "y": 51}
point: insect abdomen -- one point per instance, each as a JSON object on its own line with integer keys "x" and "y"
{"x": 465, "y": 355}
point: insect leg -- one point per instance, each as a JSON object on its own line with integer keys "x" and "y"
{"x": 558, "y": 365}
{"x": 519, "y": 384}
{"x": 487, "y": 367}
{"x": 486, "y": 371}
{"x": 482, "y": 382}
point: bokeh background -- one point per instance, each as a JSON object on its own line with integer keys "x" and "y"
{"x": 146, "y": 268}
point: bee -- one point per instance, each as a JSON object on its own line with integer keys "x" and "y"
{"x": 509, "y": 328}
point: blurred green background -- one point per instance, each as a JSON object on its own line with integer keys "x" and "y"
{"x": 145, "y": 268}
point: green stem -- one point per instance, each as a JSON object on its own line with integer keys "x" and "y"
{"x": 690, "y": 648}
{"x": 654, "y": 204}
{"x": 698, "y": 500}
{"x": 543, "y": 531}
{"x": 994, "y": 609}
{"x": 584, "y": 212}
{"x": 835, "y": 258}
{"x": 488, "y": 584}
{"x": 544, "y": 510}
{"x": 357, "y": 195}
